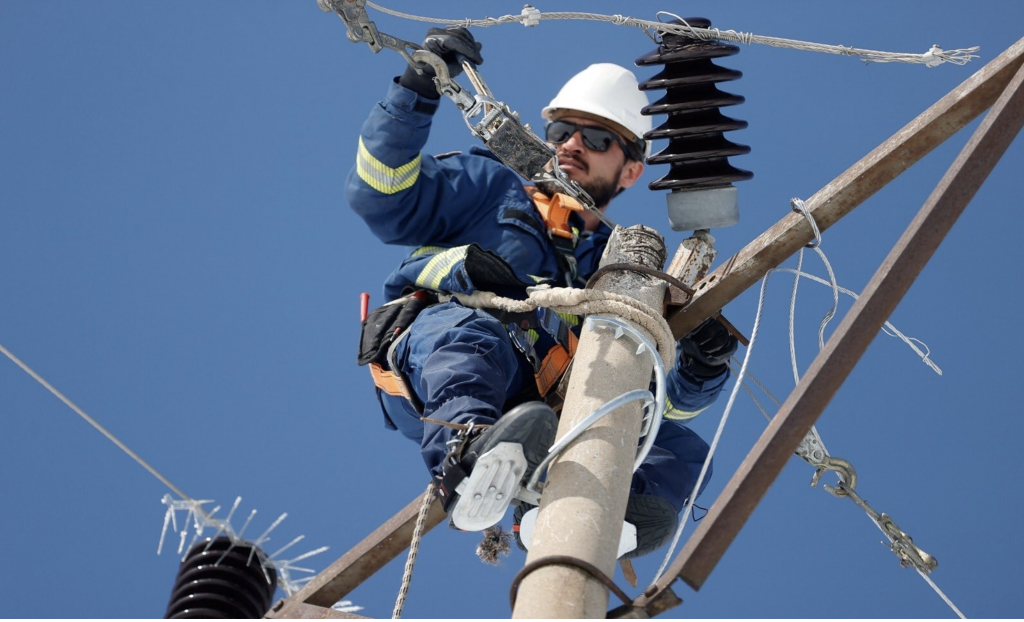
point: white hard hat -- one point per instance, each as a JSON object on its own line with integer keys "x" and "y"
{"x": 608, "y": 92}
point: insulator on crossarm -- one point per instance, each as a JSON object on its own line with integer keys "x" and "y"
{"x": 212, "y": 584}
{"x": 700, "y": 178}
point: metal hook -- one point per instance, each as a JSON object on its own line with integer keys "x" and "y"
{"x": 847, "y": 476}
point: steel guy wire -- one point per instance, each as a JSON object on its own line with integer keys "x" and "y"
{"x": 531, "y": 17}
{"x": 897, "y": 544}
{"x": 718, "y": 433}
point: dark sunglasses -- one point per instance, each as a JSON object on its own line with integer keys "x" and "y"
{"x": 594, "y": 138}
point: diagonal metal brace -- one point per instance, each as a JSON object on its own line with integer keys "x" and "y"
{"x": 999, "y": 84}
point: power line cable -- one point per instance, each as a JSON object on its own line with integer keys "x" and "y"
{"x": 81, "y": 413}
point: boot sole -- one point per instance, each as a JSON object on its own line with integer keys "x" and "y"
{"x": 484, "y": 496}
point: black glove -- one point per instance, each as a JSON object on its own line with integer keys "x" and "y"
{"x": 453, "y": 46}
{"x": 705, "y": 351}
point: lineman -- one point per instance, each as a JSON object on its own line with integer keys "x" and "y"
{"x": 443, "y": 370}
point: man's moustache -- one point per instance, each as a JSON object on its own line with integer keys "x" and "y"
{"x": 562, "y": 157}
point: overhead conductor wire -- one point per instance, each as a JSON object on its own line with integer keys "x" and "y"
{"x": 81, "y": 413}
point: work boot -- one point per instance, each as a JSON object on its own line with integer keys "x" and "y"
{"x": 491, "y": 467}
{"x": 655, "y": 520}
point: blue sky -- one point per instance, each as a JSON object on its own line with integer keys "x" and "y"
{"x": 176, "y": 257}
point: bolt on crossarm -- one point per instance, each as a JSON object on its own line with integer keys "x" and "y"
{"x": 584, "y": 502}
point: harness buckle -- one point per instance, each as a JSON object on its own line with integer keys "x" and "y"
{"x": 452, "y": 472}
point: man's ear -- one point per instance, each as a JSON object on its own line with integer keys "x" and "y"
{"x": 631, "y": 172}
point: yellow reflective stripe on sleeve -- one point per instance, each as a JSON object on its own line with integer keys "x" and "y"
{"x": 439, "y": 266}
{"x": 671, "y": 412}
{"x": 428, "y": 250}
{"x": 382, "y": 177}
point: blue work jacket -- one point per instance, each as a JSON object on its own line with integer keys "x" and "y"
{"x": 440, "y": 205}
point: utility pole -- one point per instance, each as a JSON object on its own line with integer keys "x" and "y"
{"x": 584, "y": 500}
{"x": 585, "y": 467}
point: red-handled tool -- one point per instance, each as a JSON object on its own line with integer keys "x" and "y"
{"x": 364, "y": 306}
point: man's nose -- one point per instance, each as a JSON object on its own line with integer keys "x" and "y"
{"x": 574, "y": 142}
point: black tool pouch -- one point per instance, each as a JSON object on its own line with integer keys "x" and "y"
{"x": 383, "y": 325}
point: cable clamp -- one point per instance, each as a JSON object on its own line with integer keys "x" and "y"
{"x": 933, "y": 57}
{"x": 813, "y": 451}
{"x": 902, "y": 545}
{"x": 531, "y": 16}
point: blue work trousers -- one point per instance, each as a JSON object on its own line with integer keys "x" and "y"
{"x": 463, "y": 367}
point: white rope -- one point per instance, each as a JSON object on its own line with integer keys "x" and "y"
{"x": 800, "y": 206}
{"x": 792, "y": 319}
{"x": 414, "y": 548}
{"x": 931, "y": 58}
{"x": 924, "y": 576}
{"x": 579, "y": 301}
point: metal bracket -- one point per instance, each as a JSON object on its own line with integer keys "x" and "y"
{"x": 361, "y": 28}
{"x": 654, "y": 405}
{"x": 904, "y": 548}
{"x": 812, "y": 450}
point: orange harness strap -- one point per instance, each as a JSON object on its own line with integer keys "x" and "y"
{"x": 555, "y": 211}
{"x": 554, "y": 365}
{"x": 389, "y": 382}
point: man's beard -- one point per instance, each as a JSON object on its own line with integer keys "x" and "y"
{"x": 600, "y": 190}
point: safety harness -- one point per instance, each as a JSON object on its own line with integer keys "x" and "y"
{"x": 555, "y": 211}
{"x": 544, "y": 332}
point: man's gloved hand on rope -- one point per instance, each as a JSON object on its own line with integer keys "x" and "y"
{"x": 706, "y": 350}
{"x": 453, "y": 46}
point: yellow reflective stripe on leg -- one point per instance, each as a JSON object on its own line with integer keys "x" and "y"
{"x": 671, "y": 412}
{"x": 382, "y": 177}
{"x": 439, "y": 266}
{"x": 570, "y": 319}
